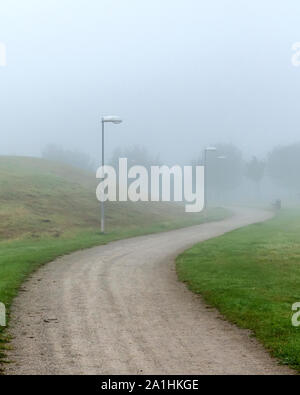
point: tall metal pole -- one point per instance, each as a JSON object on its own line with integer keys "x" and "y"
{"x": 102, "y": 202}
{"x": 205, "y": 179}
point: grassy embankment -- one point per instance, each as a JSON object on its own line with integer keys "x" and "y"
{"x": 48, "y": 209}
{"x": 252, "y": 276}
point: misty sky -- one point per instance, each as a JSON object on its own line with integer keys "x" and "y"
{"x": 182, "y": 74}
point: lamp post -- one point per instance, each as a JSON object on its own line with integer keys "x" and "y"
{"x": 221, "y": 158}
{"x": 206, "y": 150}
{"x": 115, "y": 120}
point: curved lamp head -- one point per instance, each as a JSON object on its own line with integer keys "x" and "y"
{"x": 210, "y": 149}
{"x": 112, "y": 118}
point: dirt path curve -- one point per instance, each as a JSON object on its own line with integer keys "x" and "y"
{"x": 119, "y": 309}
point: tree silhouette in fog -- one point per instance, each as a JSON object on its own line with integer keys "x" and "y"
{"x": 255, "y": 171}
{"x": 284, "y": 166}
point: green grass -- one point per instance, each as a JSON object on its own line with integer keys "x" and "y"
{"x": 49, "y": 209}
{"x": 252, "y": 276}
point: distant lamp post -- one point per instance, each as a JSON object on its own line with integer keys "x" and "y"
{"x": 221, "y": 157}
{"x": 107, "y": 119}
{"x": 206, "y": 150}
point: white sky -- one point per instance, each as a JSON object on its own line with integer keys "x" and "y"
{"x": 182, "y": 74}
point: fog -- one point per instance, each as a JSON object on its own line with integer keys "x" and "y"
{"x": 181, "y": 73}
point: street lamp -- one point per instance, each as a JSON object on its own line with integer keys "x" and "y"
{"x": 221, "y": 158}
{"x": 206, "y": 150}
{"x": 107, "y": 119}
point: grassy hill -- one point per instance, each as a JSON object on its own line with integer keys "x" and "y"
{"x": 40, "y": 198}
{"x": 48, "y": 209}
{"x": 252, "y": 275}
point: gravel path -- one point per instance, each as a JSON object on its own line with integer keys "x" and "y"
{"x": 119, "y": 309}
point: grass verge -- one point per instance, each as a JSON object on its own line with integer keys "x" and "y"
{"x": 252, "y": 276}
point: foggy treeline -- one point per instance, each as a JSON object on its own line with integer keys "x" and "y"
{"x": 73, "y": 158}
{"x": 230, "y": 177}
